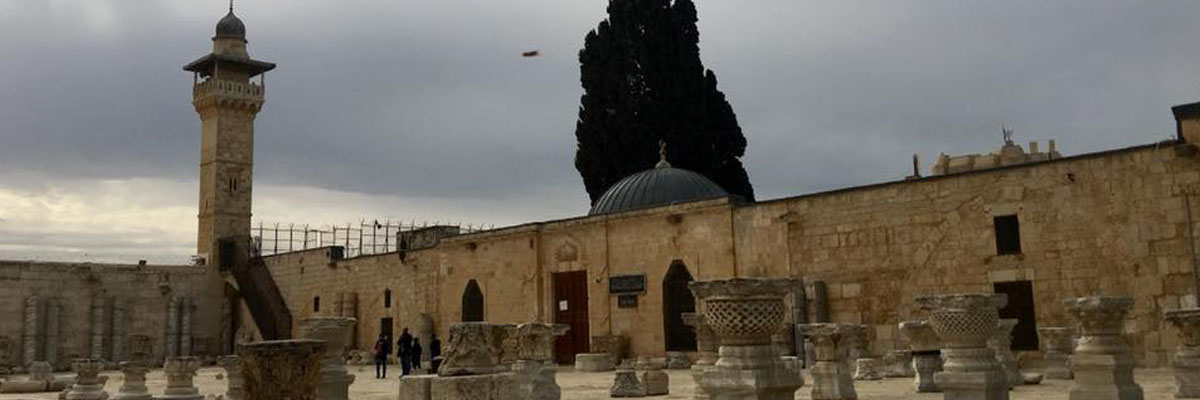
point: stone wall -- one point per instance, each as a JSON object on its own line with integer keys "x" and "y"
{"x": 112, "y": 310}
{"x": 1110, "y": 223}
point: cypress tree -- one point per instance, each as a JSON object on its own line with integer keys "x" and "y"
{"x": 643, "y": 82}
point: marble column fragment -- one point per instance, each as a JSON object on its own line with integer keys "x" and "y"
{"x": 181, "y": 371}
{"x": 29, "y": 345}
{"x": 281, "y": 369}
{"x": 50, "y": 337}
{"x": 185, "y": 326}
{"x": 133, "y": 386}
{"x": 1186, "y": 360}
{"x": 171, "y": 329}
{"x": 335, "y": 332}
{"x": 1102, "y": 363}
{"x": 964, "y": 322}
{"x": 233, "y": 377}
{"x": 87, "y": 380}
{"x": 1001, "y": 344}
{"x": 832, "y": 379}
{"x": 1056, "y": 350}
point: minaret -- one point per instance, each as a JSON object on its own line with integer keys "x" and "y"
{"x": 227, "y": 101}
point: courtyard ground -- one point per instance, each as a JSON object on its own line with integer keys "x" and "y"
{"x": 1157, "y": 383}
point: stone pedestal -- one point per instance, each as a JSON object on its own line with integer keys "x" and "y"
{"x": 832, "y": 378}
{"x": 335, "y": 331}
{"x": 594, "y": 362}
{"x": 474, "y": 348}
{"x": 1102, "y": 363}
{"x": 1057, "y": 343}
{"x": 1001, "y": 344}
{"x": 1186, "y": 360}
{"x": 281, "y": 369}
{"x": 500, "y": 386}
{"x": 964, "y": 322}
{"x": 233, "y": 377}
{"x": 134, "y": 385}
{"x": 87, "y": 380}
{"x": 180, "y": 371}
{"x": 652, "y": 377}
{"x": 744, "y": 313}
{"x": 927, "y": 355}
{"x": 867, "y": 369}
{"x": 535, "y": 370}
{"x": 706, "y": 339}
{"x": 678, "y": 360}
{"x": 416, "y": 387}
{"x": 626, "y": 384}
{"x": 897, "y": 364}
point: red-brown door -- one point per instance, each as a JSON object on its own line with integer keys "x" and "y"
{"x": 570, "y": 308}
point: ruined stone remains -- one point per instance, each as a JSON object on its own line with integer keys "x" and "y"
{"x": 133, "y": 386}
{"x": 335, "y": 332}
{"x": 535, "y": 370}
{"x": 744, "y": 313}
{"x": 87, "y": 380}
{"x": 653, "y": 378}
{"x": 867, "y": 369}
{"x": 897, "y": 364}
{"x": 627, "y": 384}
{"x": 1001, "y": 344}
{"x": 281, "y": 369}
{"x": 678, "y": 360}
{"x": 964, "y": 322}
{"x": 615, "y": 345}
{"x": 1186, "y": 361}
{"x": 180, "y": 372}
{"x": 706, "y": 340}
{"x": 474, "y": 348}
{"x": 233, "y": 377}
{"x": 832, "y": 378}
{"x": 1057, "y": 345}
{"x": 594, "y": 362}
{"x": 1102, "y": 363}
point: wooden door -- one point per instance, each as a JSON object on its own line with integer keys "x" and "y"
{"x": 571, "y": 309}
{"x": 1020, "y": 307}
{"x": 678, "y": 299}
{"x": 385, "y": 329}
{"x": 472, "y": 303}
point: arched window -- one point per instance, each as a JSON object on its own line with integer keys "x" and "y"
{"x": 472, "y": 303}
{"x": 678, "y": 299}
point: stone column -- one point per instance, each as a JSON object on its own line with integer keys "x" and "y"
{"x": 927, "y": 355}
{"x": 185, "y": 326}
{"x": 535, "y": 369}
{"x": 50, "y": 336}
{"x": 706, "y": 340}
{"x": 1102, "y": 363}
{"x": 97, "y": 321}
{"x": 1056, "y": 350}
{"x": 87, "y": 380}
{"x": 351, "y": 311}
{"x": 281, "y": 369}
{"x": 233, "y": 377}
{"x": 133, "y": 386}
{"x": 964, "y": 322}
{"x": 118, "y": 331}
{"x": 1187, "y": 357}
{"x": 1001, "y": 344}
{"x": 830, "y": 373}
{"x": 29, "y": 347}
{"x": 171, "y": 330}
{"x": 335, "y": 332}
{"x": 180, "y": 372}
{"x": 744, "y": 313}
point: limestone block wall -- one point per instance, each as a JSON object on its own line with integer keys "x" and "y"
{"x": 98, "y": 308}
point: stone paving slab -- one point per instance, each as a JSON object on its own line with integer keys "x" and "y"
{"x": 1157, "y": 383}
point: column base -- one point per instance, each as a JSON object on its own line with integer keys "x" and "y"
{"x": 1056, "y": 366}
{"x": 415, "y": 387}
{"x": 474, "y": 387}
{"x": 1104, "y": 377}
{"x": 335, "y": 386}
{"x": 536, "y": 380}
{"x": 751, "y": 372}
{"x": 989, "y": 385}
{"x": 926, "y": 365}
{"x": 832, "y": 381}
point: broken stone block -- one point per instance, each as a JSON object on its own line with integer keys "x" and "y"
{"x": 627, "y": 384}
{"x": 594, "y": 362}
{"x": 501, "y": 386}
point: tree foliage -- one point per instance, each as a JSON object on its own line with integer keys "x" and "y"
{"x": 643, "y": 82}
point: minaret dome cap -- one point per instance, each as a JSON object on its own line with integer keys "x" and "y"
{"x": 231, "y": 27}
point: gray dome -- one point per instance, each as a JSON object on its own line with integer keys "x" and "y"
{"x": 231, "y": 26}
{"x": 658, "y": 186}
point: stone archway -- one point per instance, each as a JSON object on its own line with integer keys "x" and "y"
{"x": 472, "y": 303}
{"x": 677, "y": 299}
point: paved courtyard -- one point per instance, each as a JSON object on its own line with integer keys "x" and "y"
{"x": 1157, "y": 383}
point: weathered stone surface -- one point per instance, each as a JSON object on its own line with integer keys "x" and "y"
{"x": 594, "y": 362}
{"x": 335, "y": 331}
{"x": 41, "y": 371}
{"x": 475, "y": 348}
{"x": 650, "y": 373}
{"x": 87, "y": 380}
{"x": 1031, "y": 378}
{"x": 281, "y": 369}
{"x": 927, "y": 364}
{"x": 34, "y": 386}
{"x": 867, "y": 369}
{"x": 678, "y": 360}
{"x": 180, "y": 373}
{"x": 535, "y": 341}
{"x": 615, "y": 345}
{"x": 627, "y": 384}
{"x": 832, "y": 377}
{"x": 501, "y": 386}
{"x": 1186, "y": 360}
{"x": 416, "y": 387}
{"x": 536, "y": 379}
{"x": 964, "y": 322}
{"x": 233, "y": 377}
{"x": 1057, "y": 344}
{"x": 706, "y": 339}
{"x": 1102, "y": 364}
{"x": 1001, "y": 344}
{"x": 897, "y": 364}
{"x": 133, "y": 386}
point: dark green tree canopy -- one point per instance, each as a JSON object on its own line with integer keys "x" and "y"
{"x": 643, "y": 82}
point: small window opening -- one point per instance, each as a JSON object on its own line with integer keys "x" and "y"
{"x": 232, "y": 185}
{"x": 316, "y": 303}
{"x": 1008, "y": 234}
{"x": 387, "y": 298}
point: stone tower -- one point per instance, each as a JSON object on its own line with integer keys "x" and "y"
{"x": 227, "y": 101}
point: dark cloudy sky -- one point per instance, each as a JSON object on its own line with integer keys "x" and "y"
{"x": 425, "y": 110}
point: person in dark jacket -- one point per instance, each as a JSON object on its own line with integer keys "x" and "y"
{"x": 383, "y": 347}
{"x": 415, "y": 354}
{"x": 435, "y": 354}
{"x": 403, "y": 345}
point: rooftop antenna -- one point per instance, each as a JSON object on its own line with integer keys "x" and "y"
{"x": 662, "y": 155}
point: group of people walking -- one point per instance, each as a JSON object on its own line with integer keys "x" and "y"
{"x": 408, "y": 353}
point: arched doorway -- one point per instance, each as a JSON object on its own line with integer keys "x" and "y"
{"x": 472, "y": 303}
{"x": 677, "y": 299}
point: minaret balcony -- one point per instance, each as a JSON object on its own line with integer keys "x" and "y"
{"x": 227, "y": 90}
